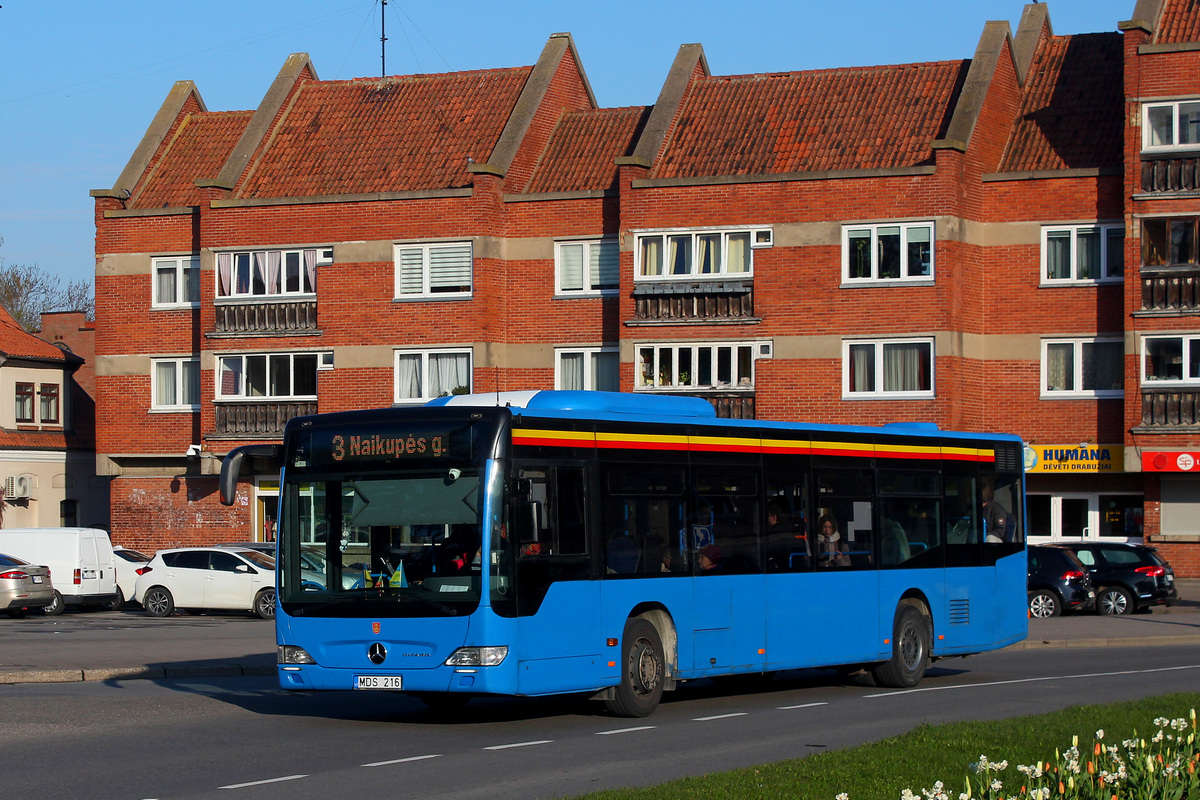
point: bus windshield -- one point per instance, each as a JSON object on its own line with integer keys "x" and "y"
{"x": 383, "y": 520}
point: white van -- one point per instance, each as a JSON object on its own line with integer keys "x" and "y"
{"x": 80, "y": 562}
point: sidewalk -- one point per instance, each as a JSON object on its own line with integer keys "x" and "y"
{"x": 132, "y": 645}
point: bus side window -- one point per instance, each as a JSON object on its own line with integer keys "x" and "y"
{"x": 551, "y": 510}
{"x": 845, "y": 498}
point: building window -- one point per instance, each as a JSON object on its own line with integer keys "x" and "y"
{"x": 1169, "y": 241}
{"x": 887, "y": 253}
{"x": 698, "y": 254}
{"x": 1171, "y": 360}
{"x": 176, "y": 282}
{"x": 888, "y": 368}
{"x": 422, "y": 375}
{"x": 1171, "y": 126}
{"x": 48, "y": 402}
{"x": 587, "y": 368}
{"x": 1083, "y": 253}
{"x": 68, "y": 513}
{"x": 270, "y": 375}
{"x": 1083, "y": 368}
{"x": 586, "y": 268}
{"x": 175, "y": 384}
{"x": 717, "y": 365}
{"x": 433, "y": 270}
{"x": 24, "y": 402}
{"x": 267, "y": 273}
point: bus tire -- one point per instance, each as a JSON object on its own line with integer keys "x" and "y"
{"x": 643, "y": 671}
{"x": 912, "y": 638}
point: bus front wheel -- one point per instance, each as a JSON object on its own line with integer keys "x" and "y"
{"x": 643, "y": 671}
{"x": 912, "y": 638}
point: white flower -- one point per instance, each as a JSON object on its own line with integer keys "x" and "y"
{"x": 841, "y": 796}
{"x": 996, "y": 785}
{"x": 1100, "y": 734}
{"x": 908, "y": 795}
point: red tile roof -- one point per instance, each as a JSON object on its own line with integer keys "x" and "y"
{"x": 362, "y": 136}
{"x": 1071, "y": 116}
{"x": 861, "y": 118}
{"x": 579, "y": 156}
{"x": 199, "y": 147}
{"x": 1178, "y": 23}
{"x": 16, "y": 342}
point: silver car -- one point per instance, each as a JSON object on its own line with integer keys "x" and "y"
{"x": 23, "y": 586}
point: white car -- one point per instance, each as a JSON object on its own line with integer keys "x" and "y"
{"x": 129, "y": 563}
{"x": 195, "y": 578}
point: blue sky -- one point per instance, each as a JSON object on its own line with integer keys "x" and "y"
{"x": 80, "y": 80}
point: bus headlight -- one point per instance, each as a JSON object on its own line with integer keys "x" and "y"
{"x": 477, "y": 656}
{"x": 290, "y": 654}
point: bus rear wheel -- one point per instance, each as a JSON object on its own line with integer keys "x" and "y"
{"x": 912, "y": 638}
{"x": 643, "y": 671}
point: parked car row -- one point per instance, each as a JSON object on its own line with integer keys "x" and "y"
{"x": 1111, "y": 578}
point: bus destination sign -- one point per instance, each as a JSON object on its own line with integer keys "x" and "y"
{"x": 360, "y": 447}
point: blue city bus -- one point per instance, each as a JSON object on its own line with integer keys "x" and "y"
{"x": 615, "y": 545}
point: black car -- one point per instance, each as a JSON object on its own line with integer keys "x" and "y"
{"x": 1057, "y": 582}
{"x": 1128, "y": 577}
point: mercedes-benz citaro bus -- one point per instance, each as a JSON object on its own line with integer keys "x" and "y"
{"x": 616, "y": 545}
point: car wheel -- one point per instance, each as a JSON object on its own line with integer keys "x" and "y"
{"x": 911, "y": 642}
{"x": 1114, "y": 601}
{"x": 116, "y": 603}
{"x": 158, "y": 602}
{"x": 264, "y": 604}
{"x": 1044, "y": 604}
{"x": 644, "y": 671}
{"x": 55, "y": 608}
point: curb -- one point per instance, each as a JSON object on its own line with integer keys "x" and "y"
{"x": 1127, "y": 641}
{"x": 13, "y": 677}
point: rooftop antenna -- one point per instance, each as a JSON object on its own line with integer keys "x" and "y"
{"x": 383, "y": 40}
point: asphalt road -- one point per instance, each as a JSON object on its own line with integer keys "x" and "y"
{"x": 242, "y": 737}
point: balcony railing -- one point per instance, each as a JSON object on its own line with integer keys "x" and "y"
{"x": 739, "y": 405}
{"x": 1170, "y": 289}
{"x": 1170, "y": 409}
{"x": 1174, "y": 173}
{"x": 253, "y": 420}
{"x": 694, "y": 300}
{"x": 267, "y": 317}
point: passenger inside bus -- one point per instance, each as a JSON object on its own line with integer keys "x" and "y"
{"x": 830, "y": 547}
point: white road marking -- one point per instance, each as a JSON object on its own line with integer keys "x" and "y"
{"x": 518, "y": 744}
{"x": 627, "y": 730}
{"x": 260, "y": 783}
{"x": 400, "y": 760}
{"x": 719, "y": 716}
{"x": 804, "y": 705}
{"x": 1037, "y": 680}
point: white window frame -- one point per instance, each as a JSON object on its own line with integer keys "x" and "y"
{"x": 242, "y": 395}
{"x": 664, "y": 370}
{"x": 593, "y": 251}
{"x": 1188, "y": 342}
{"x": 178, "y": 381}
{"x": 1172, "y": 107}
{"x": 1077, "y": 360}
{"x": 1105, "y": 229}
{"x": 249, "y": 257}
{"x": 183, "y": 267}
{"x": 757, "y": 239}
{"x": 589, "y": 355}
{"x": 424, "y": 358}
{"x": 905, "y": 229}
{"x": 427, "y": 252}
{"x": 879, "y": 392}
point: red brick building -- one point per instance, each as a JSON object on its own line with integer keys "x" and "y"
{"x": 998, "y": 243}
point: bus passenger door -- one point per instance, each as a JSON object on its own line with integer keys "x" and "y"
{"x": 557, "y": 601}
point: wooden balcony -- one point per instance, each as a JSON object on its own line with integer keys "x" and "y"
{"x": 699, "y": 301}
{"x": 273, "y": 317}
{"x": 1171, "y": 173}
{"x": 264, "y": 419}
{"x": 1169, "y": 410}
{"x": 732, "y": 405}
{"x": 1170, "y": 289}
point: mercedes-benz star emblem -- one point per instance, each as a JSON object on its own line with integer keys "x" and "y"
{"x": 377, "y": 653}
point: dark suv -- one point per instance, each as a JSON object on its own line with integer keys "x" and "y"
{"x": 1128, "y": 577}
{"x": 1057, "y": 582}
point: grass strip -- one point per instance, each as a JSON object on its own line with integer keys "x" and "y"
{"x": 882, "y": 770}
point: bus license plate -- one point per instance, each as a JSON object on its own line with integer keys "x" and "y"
{"x": 385, "y": 682}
